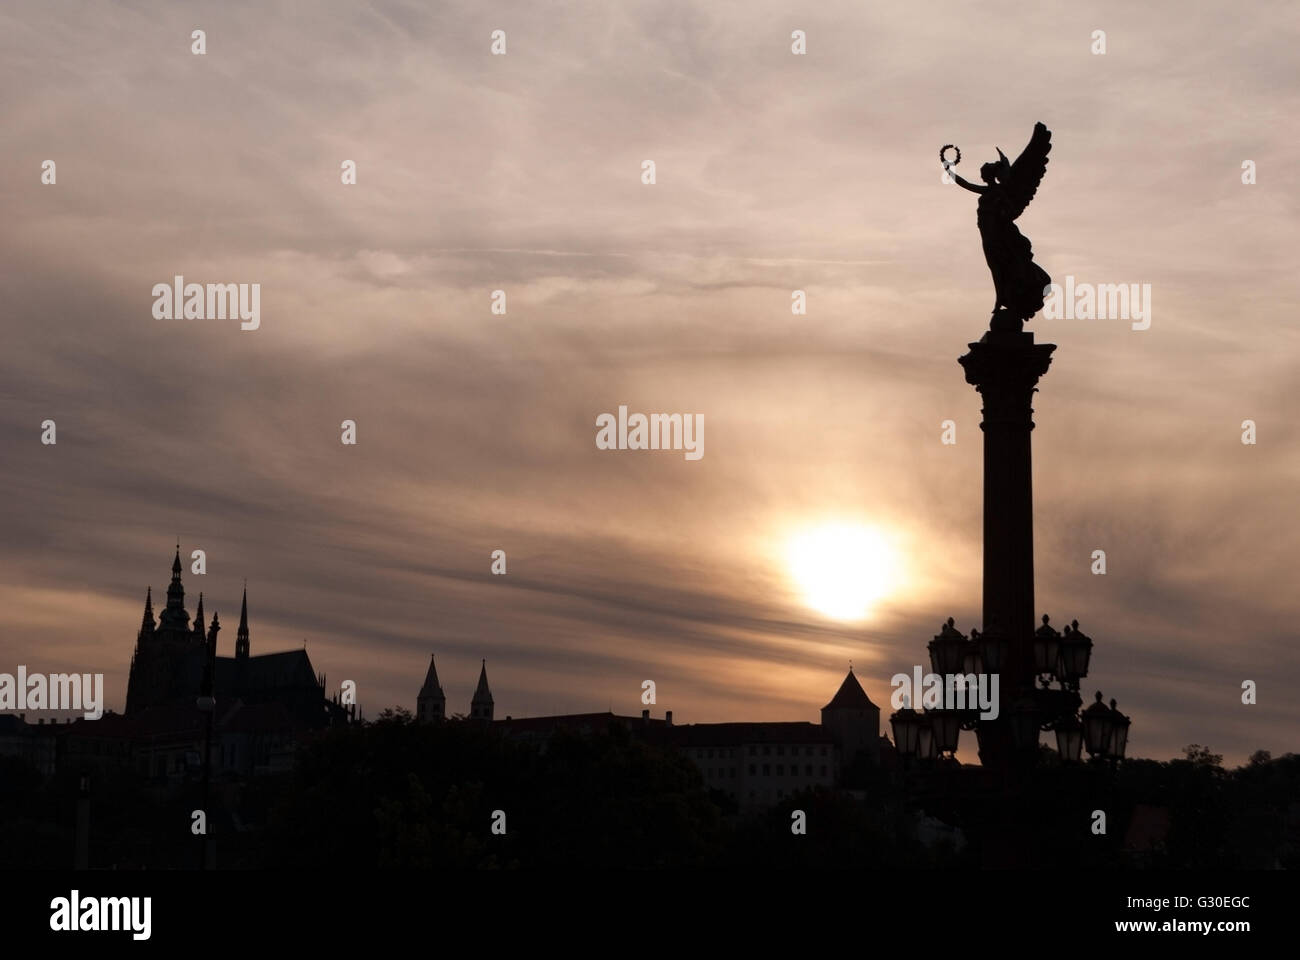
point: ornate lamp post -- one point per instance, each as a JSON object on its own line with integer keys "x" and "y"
{"x": 927, "y": 746}
{"x": 1069, "y": 738}
{"x": 948, "y": 649}
{"x": 906, "y": 724}
{"x": 946, "y": 726}
{"x": 1118, "y": 740}
{"x": 1047, "y": 649}
{"x": 1074, "y": 653}
{"x": 1096, "y": 729}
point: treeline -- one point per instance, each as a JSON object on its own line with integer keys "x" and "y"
{"x": 392, "y": 794}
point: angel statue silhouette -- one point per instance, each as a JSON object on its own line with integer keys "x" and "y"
{"x": 1020, "y": 284}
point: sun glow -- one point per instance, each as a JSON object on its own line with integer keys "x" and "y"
{"x": 842, "y": 569}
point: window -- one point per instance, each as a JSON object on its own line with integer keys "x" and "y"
{"x": 753, "y": 750}
{"x": 767, "y": 750}
{"x": 780, "y": 769}
{"x": 807, "y": 770}
{"x": 752, "y": 770}
{"x": 780, "y": 751}
{"x": 823, "y": 751}
{"x": 767, "y": 769}
{"x": 807, "y": 751}
{"x": 710, "y": 754}
{"x": 823, "y": 770}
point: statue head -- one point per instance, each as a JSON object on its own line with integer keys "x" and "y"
{"x": 997, "y": 170}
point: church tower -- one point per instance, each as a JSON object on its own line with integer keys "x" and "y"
{"x": 480, "y": 707}
{"x": 164, "y": 652}
{"x": 431, "y": 704}
{"x": 175, "y": 618}
{"x": 241, "y": 635}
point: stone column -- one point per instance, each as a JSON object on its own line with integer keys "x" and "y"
{"x": 1004, "y": 366}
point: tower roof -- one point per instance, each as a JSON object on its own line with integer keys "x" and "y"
{"x": 482, "y": 693}
{"x": 850, "y": 694}
{"x": 241, "y": 634}
{"x": 432, "y": 688}
{"x": 174, "y": 618}
{"x": 147, "y": 624}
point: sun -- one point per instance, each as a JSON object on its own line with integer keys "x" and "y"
{"x": 843, "y": 569}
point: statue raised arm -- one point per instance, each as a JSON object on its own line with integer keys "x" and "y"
{"x": 1019, "y": 283}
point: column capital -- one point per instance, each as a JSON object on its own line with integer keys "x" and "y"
{"x": 1004, "y": 367}
{"x": 1002, "y": 358}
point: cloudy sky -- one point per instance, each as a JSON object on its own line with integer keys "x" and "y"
{"x": 476, "y": 431}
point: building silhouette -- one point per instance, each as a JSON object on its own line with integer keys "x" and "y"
{"x": 854, "y": 721}
{"x": 755, "y": 763}
{"x": 481, "y": 707}
{"x": 167, "y": 665}
{"x": 431, "y": 704}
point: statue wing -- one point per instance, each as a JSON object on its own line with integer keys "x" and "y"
{"x": 1026, "y": 173}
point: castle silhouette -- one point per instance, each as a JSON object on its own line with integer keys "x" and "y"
{"x": 755, "y": 763}
{"x": 264, "y": 704}
{"x": 168, "y": 662}
{"x": 267, "y": 704}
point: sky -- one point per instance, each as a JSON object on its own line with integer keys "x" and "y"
{"x": 522, "y": 172}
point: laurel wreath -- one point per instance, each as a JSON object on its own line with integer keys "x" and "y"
{"x": 944, "y": 149}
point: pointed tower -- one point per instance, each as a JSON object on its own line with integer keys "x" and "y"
{"x": 198, "y": 622}
{"x": 480, "y": 708}
{"x": 174, "y": 618}
{"x": 137, "y": 681}
{"x": 147, "y": 624}
{"x": 431, "y": 704}
{"x": 208, "y": 684}
{"x": 241, "y": 635}
{"x": 854, "y": 721}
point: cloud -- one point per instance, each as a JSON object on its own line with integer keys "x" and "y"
{"x": 476, "y": 431}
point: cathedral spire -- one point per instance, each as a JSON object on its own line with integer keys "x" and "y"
{"x": 241, "y": 635}
{"x": 147, "y": 624}
{"x": 481, "y": 706}
{"x": 174, "y": 618}
{"x": 198, "y": 619}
